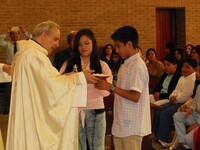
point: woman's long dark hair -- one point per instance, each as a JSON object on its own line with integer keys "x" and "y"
{"x": 115, "y": 66}
{"x": 94, "y": 58}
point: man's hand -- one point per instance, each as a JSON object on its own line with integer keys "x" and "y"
{"x": 22, "y": 29}
{"x": 89, "y": 77}
{"x": 102, "y": 84}
{"x": 173, "y": 100}
{"x": 156, "y": 96}
{"x": 8, "y": 69}
{"x": 193, "y": 126}
{"x": 188, "y": 112}
{"x": 183, "y": 108}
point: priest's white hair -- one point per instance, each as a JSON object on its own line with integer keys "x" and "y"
{"x": 44, "y": 27}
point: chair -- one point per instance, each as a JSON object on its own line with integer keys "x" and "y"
{"x": 197, "y": 139}
{"x": 108, "y": 102}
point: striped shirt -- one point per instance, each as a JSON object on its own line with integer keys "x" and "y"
{"x": 132, "y": 118}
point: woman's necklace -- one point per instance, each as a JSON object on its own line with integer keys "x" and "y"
{"x": 84, "y": 66}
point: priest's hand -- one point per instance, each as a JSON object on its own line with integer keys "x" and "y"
{"x": 89, "y": 77}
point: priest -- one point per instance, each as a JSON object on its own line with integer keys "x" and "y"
{"x": 44, "y": 104}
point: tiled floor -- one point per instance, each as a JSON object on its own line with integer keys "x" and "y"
{"x": 4, "y": 122}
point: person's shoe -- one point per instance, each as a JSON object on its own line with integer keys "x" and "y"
{"x": 181, "y": 146}
{"x": 172, "y": 147}
{"x": 178, "y": 147}
{"x": 162, "y": 143}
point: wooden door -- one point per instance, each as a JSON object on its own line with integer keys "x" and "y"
{"x": 165, "y": 30}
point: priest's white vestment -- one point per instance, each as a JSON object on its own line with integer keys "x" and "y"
{"x": 43, "y": 112}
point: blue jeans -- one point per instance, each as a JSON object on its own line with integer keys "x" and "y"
{"x": 93, "y": 132}
{"x": 180, "y": 122}
{"x": 163, "y": 120}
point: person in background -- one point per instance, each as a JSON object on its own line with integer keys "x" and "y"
{"x": 188, "y": 49}
{"x": 106, "y": 54}
{"x": 183, "y": 91}
{"x": 170, "y": 48}
{"x": 6, "y": 68}
{"x": 115, "y": 63}
{"x": 10, "y": 48}
{"x": 188, "y": 115}
{"x": 180, "y": 56}
{"x": 131, "y": 104}
{"x": 141, "y": 54}
{"x": 174, "y": 143}
{"x": 63, "y": 55}
{"x": 44, "y": 104}
{"x": 195, "y": 53}
{"x": 155, "y": 68}
{"x": 167, "y": 82}
{"x": 92, "y": 125}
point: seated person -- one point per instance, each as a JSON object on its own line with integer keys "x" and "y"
{"x": 167, "y": 82}
{"x": 155, "y": 68}
{"x": 180, "y": 56}
{"x": 195, "y": 53}
{"x": 183, "y": 91}
{"x": 188, "y": 115}
{"x": 188, "y": 103}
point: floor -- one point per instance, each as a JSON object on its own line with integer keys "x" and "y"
{"x": 4, "y": 123}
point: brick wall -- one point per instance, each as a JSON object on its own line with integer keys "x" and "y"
{"x": 102, "y": 16}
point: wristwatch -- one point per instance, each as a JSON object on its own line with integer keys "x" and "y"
{"x": 112, "y": 88}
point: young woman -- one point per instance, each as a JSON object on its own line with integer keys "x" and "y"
{"x": 195, "y": 53}
{"x": 188, "y": 49}
{"x": 106, "y": 54}
{"x": 92, "y": 117}
{"x": 180, "y": 56}
{"x": 115, "y": 64}
{"x": 155, "y": 68}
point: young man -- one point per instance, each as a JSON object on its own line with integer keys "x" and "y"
{"x": 167, "y": 82}
{"x": 188, "y": 115}
{"x": 183, "y": 91}
{"x": 131, "y": 105}
{"x": 43, "y": 110}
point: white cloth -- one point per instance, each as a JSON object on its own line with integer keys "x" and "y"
{"x": 41, "y": 113}
{"x": 4, "y": 77}
{"x": 158, "y": 102}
